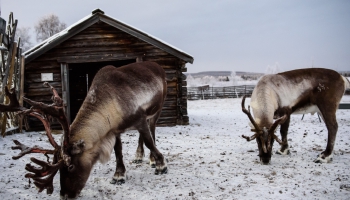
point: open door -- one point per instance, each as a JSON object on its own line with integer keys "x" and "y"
{"x": 80, "y": 79}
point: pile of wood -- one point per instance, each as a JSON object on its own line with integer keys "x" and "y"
{"x": 10, "y": 72}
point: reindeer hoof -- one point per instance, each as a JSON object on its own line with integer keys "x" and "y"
{"x": 118, "y": 182}
{"x": 285, "y": 152}
{"x": 137, "y": 161}
{"x": 163, "y": 171}
{"x": 317, "y": 161}
{"x": 323, "y": 159}
{"x": 152, "y": 163}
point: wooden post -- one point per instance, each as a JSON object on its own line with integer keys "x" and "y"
{"x": 2, "y": 58}
{"x": 7, "y": 68}
{"x": 12, "y": 66}
{"x": 65, "y": 89}
{"x": 21, "y": 92}
{"x": 9, "y": 76}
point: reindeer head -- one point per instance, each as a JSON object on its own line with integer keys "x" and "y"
{"x": 74, "y": 176}
{"x": 66, "y": 157}
{"x": 264, "y": 136}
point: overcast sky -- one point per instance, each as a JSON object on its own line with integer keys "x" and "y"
{"x": 225, "y": 35}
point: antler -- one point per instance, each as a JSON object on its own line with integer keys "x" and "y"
{"x": 247, "y": 112}
{"x": 43, "y": 176}
{"x": 258, "y": 131}
{"x": 42, "y": 111}
{"x": 278, "y": 121}
{"x": 27, "y": 150}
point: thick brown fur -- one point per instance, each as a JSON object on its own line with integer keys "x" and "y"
{"x": 298, "y": 92}
{"x": 118, "y": 99}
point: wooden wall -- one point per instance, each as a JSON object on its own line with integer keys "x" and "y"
{"x": 102, "y": 42}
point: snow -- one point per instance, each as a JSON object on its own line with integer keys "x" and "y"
{"x": 207, "y": 159}
{"x": 213, "y": 81}
{"x": 66, "y": 31}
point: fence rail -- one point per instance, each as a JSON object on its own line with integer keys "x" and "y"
{"x": 206, "y": 92}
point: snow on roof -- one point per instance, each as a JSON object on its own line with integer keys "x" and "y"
{"x": 54, "y": 37}
{"x": 59, "y": 35}
{"x": 151, "y": 36}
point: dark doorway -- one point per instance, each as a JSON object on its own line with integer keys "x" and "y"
{"x": 80, "y": 79}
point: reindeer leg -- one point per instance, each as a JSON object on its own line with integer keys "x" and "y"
{"x": 145, "y": 133}
{"x": 284, "y": 150}
{"x": 328, "y": 113}
{"x": 152, "y": 126}
{"x": 332, "y": 126}
{"x": 119, "y": 175}
{"x": 140, "y": 152}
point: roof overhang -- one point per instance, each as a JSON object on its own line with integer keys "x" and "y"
{"x": 96, "y": 17}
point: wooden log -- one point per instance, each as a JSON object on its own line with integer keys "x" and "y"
{"x": 169, "y": 104}
{"x": 44, "y": 70}
{"x": 171, "y": 78}
{"x": 10, "y": 56}
{"x": 165, "y": 112}
{"x": 8, "y": 84}
{"x": 184, "y": 111}
{"x": 47, "y": 65}
{"x": 185, "y": 120}
{"x": 43, "y": 98}
{"x": 41, "y": 92}
{"x": 171, "y": 91}
{"x": 35, "y": 78}
{"x": 40, "y": 85}
{"x": 11, "y": 71}
{"x": 171, "y": 84}
{"x": 96, "y": 58}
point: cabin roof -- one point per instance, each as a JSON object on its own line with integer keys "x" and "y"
{"x": 95, "y": 17}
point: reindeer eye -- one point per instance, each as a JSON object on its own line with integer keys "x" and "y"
{"x": 71, "y": 168}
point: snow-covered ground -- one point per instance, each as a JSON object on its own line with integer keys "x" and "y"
{"x": 208, "y": 159}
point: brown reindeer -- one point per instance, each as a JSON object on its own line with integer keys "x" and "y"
{"x": 299, "y": 91}
{"x": 129, "y": 97}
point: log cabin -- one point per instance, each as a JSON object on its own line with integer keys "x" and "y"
{"x": 69, "y": 60}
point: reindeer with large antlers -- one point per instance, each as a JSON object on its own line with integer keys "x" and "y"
{"x": 131, "y": 96}
{"x": 300, "y": 91}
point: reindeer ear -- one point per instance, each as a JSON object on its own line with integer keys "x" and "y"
{"x": 78, "y": 147}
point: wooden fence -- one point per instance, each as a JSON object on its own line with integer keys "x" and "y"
{"x": 10, "y": 72}
{"x": 206, "y": 92}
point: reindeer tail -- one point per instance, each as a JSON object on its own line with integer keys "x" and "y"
{"x": 346, "y": 82}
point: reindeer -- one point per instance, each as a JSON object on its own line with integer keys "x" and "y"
{"x": 299, "y": 91}
{"x": 122, "y": 98}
